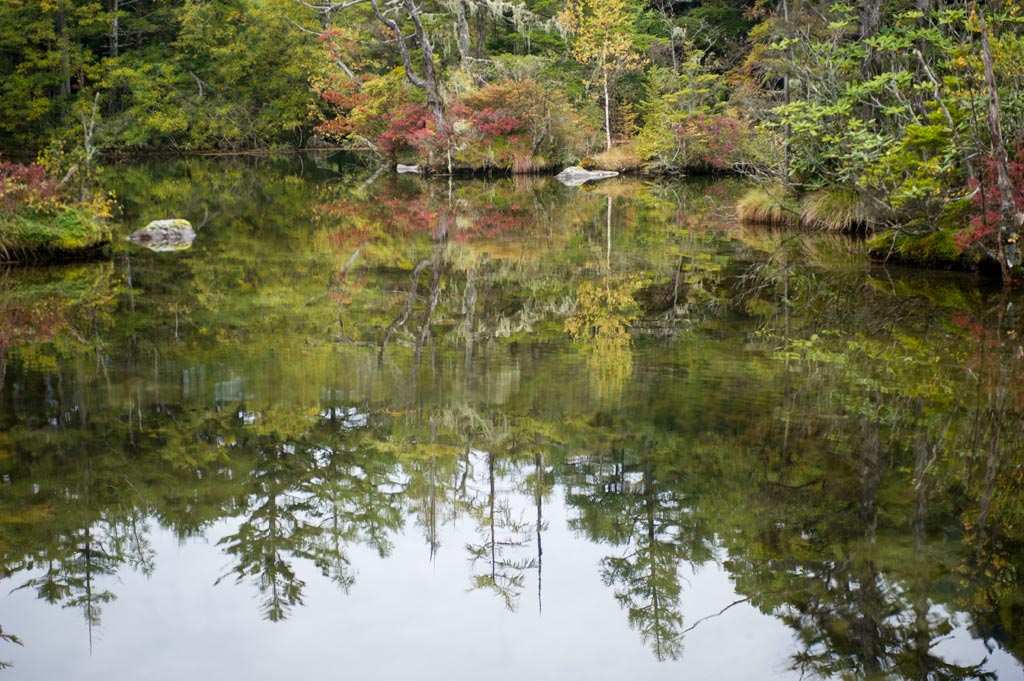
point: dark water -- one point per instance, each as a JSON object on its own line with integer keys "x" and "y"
{"x": 390, "y": 428}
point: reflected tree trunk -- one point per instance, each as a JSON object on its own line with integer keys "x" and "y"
{"x": 431, "y": 520}
{"x": 869, "y": 600}
{"x": 991, "y": 467}
{"x": 491, "y": 498}
{"x": 870, "y": 477}
{"x": 652, "y": 565}
{"x": 922, "y": 635}
{"x": 406, "y": 311}
{"x": 432, "y": 537}
{"x": 1004, "y": 356}
{"x": 432, "y": 300}
{"x": 469, "y": 308}
{"x": 608, "y": 235}
{"x": 538, "y": 462}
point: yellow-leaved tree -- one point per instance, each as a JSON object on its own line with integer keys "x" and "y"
{"x": 603, "y": 37}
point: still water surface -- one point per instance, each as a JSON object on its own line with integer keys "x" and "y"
{"x": 380, "y": 427}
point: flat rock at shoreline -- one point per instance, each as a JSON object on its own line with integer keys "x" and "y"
{"x": 574, "y": 176}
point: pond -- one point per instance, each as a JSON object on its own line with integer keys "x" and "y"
{"x": 390, "y": 427}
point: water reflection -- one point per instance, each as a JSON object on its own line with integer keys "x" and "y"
{"x": 336, "y": 367}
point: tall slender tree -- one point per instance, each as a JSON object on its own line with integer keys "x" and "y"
{"x": 603, "y": 38}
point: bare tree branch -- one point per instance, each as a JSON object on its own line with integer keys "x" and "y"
{"x": 403, "y": 47}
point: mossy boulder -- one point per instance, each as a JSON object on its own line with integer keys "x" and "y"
{"x": 55, "y": 234}
{"x": 173, "y": 234}
{"x": 934, "y": 250}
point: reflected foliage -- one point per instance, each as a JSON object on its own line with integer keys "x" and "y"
{"x": 323, "y": 371}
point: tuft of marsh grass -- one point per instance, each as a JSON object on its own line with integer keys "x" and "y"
{"x": 759, "y": 207}
{"x": 621, "y": 158}
{"x": 834, "y": 210}
{"x": 829, "y": 210}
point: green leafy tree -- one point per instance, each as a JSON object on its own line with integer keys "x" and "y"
{"x": 603, "y": 38}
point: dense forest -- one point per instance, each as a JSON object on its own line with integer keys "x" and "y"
{"x": 866, "y": 116}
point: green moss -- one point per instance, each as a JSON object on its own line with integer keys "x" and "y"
{"x": 955, "y": 214}
{"x": 936, "y": 249}
{"x": 31, "y": 234}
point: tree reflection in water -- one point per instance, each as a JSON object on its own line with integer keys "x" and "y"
{"x": 844, "y": 445}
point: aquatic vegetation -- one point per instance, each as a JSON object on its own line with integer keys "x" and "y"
{"x": 834, "y": 210}
{"x": 51, "y": 235}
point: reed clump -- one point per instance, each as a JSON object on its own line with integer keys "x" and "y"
{"x": 829, "y": 210}
{"x": 835, "y": 210}
{"x": 621, "y": 158}
{"x": 767, "y": 208}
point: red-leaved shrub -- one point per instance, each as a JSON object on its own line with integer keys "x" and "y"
{"x": 25, "y": 185}
{"x": 984, "y": 225}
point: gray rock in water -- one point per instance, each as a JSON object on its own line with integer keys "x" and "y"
{"x": 165, "y": 235}
{"x": 574, "y": 176}
{"x": 409, "y": 170}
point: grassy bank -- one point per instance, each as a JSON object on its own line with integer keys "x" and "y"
{"x": 39, "y": 224}
{"x": 61, "y": 234}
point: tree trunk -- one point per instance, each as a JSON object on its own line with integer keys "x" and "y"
{"x": 115, "y": 28}
{"x": 428, "y": 81}
{"x": 607, "y": 106}
{"x": 870, "y": 23}
{"x": 462, "y": 31}
{"x": 786, "y": 96}
{"x": 434, "y": 101}
{"x": 65, "y": 59}
{"x": 481, "y": 29}
{"x": 1009, "y": 220}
